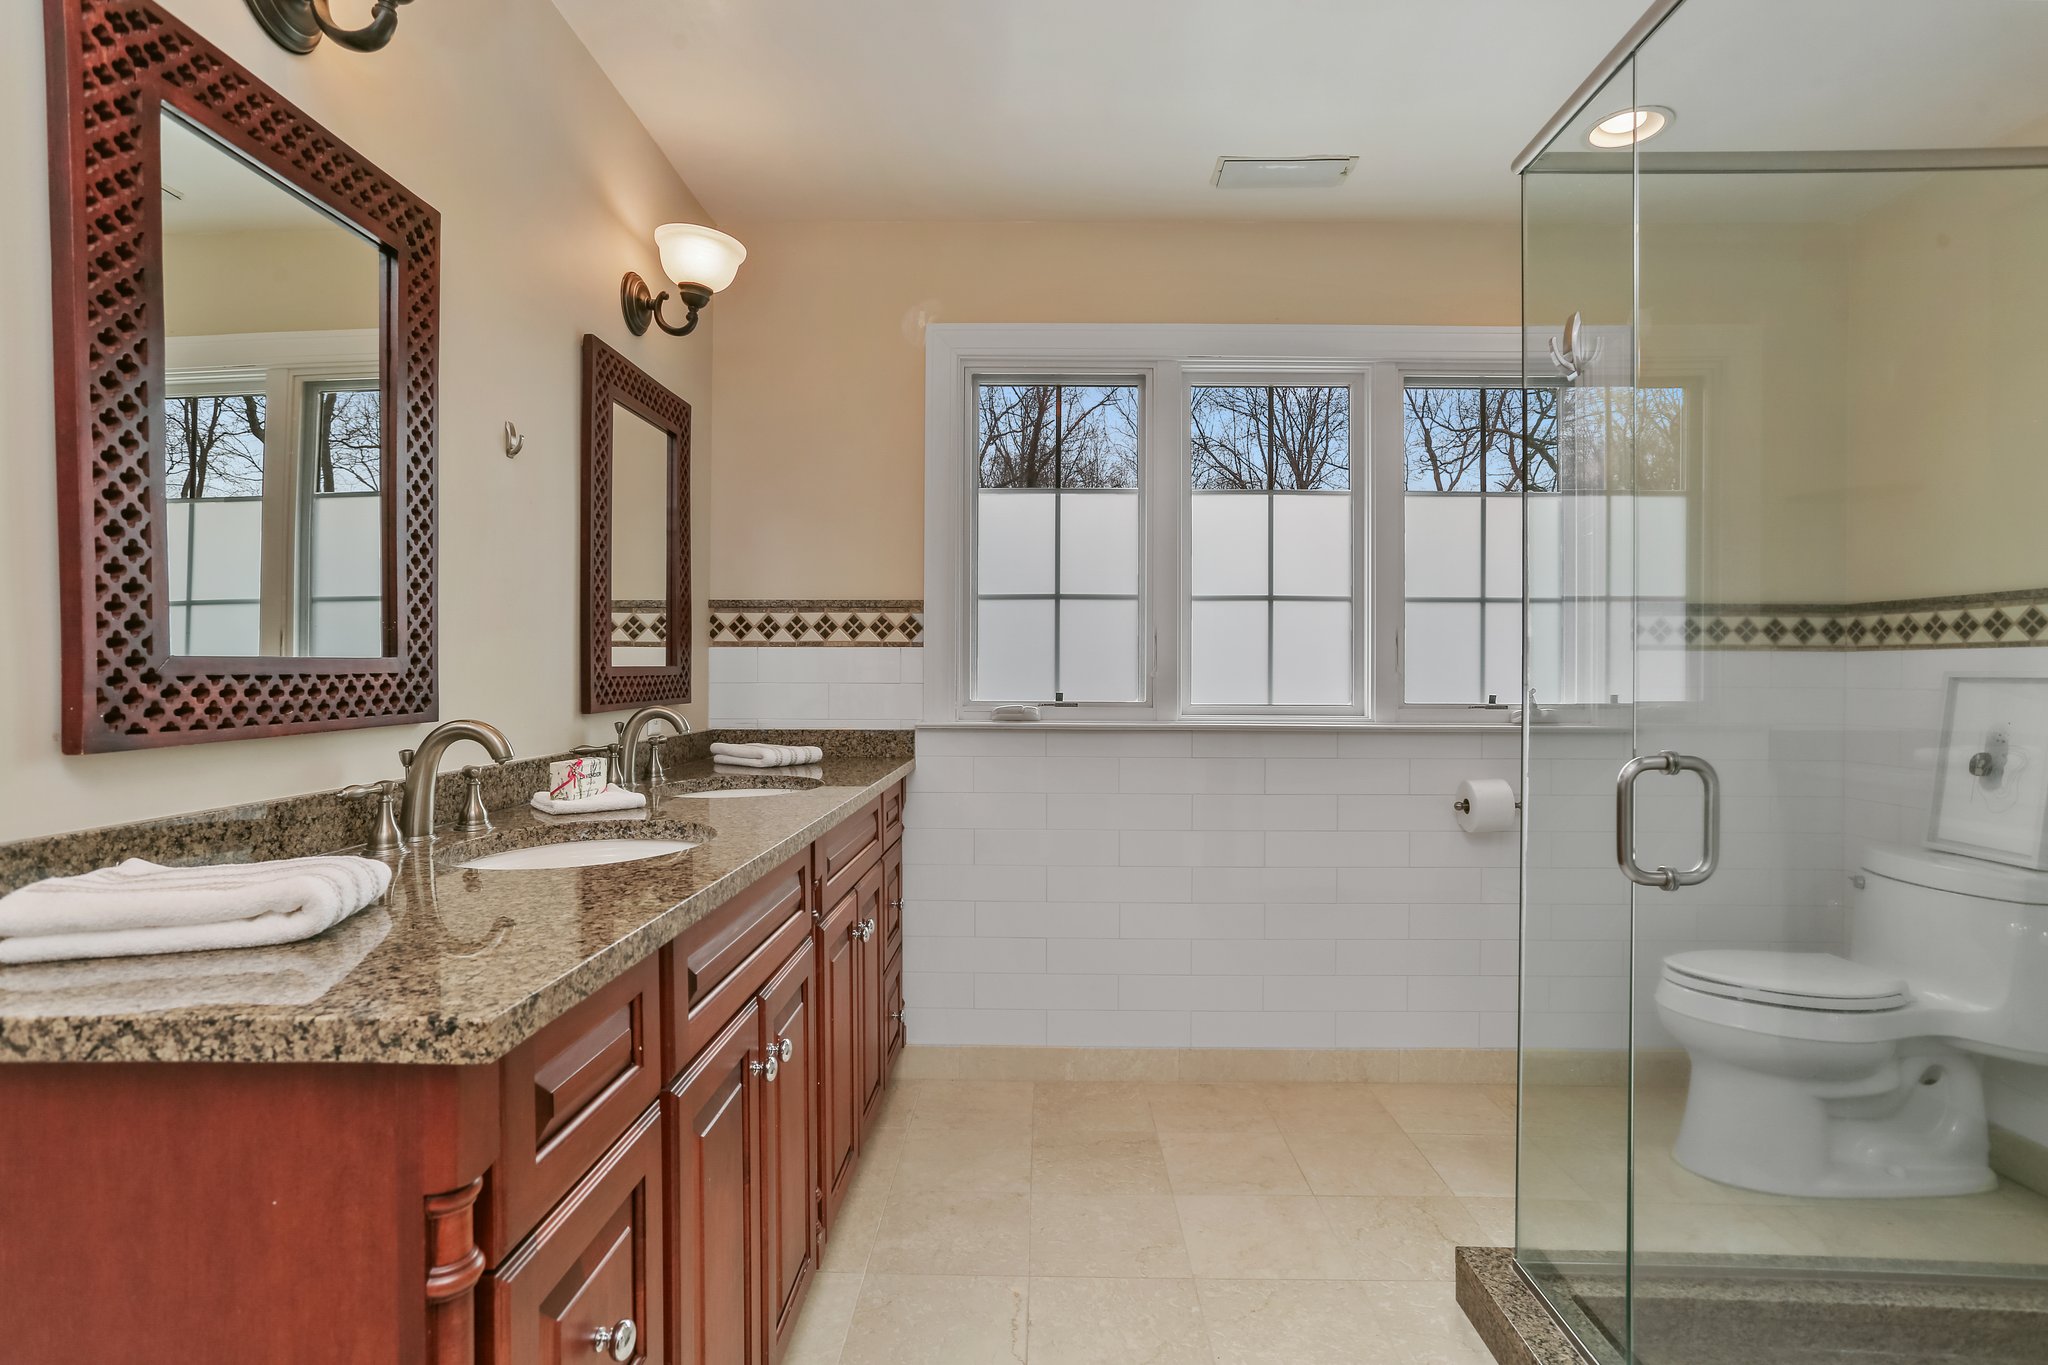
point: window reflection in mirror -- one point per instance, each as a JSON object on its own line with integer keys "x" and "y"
{"x": 641, "y": 518}
{"x": 272, "y": 449}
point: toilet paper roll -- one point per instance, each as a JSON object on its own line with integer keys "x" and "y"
{"x": 1485, "y": 805}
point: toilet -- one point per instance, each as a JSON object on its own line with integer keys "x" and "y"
{"x": 1857, "y": 1077}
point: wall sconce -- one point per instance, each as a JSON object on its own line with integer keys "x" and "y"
{"x": 700, "y": 260}
{"x": 298, "y": 25}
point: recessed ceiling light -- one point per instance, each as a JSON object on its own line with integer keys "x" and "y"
{"x": 1281, "y": 172}
{"x": 1626, "y": 127}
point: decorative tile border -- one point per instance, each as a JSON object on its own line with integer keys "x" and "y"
{"x": 1973, "y": 621}
{"x": 817, "y": 622}
{"x": 637, "y": 622}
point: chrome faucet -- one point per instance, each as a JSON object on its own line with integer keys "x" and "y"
{"x": 416, "y": 814}
{"x": 630, "y": 738}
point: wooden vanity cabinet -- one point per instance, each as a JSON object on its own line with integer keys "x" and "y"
{"x": 661, "y": 1161}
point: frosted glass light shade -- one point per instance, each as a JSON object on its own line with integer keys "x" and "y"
{"x": 691, "y": 254}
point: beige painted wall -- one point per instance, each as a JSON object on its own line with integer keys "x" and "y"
{"x": 1949, "y": 432}
{"x": 548, "y": 189}
{"x": 219, "y": 283}
{"x": 819, "y": 373}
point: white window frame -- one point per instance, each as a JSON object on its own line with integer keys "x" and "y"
{"x": 1165, "y": 357}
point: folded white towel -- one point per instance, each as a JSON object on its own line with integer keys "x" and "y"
{"x": 140, "y": 907}
{"x": 611, "y": 798}
{"x": 290, "y": 975}
{"x": 766, "y": 755}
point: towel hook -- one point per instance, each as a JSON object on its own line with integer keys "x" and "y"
{"x": 514, "y": 442}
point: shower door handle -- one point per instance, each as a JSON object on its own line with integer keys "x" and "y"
{"x": 1671, "y": 764}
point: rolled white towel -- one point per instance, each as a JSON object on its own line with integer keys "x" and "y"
{"x": 766, "y": 755}
{"x": 141, "y": 907}
{"x": 610, "y": 799}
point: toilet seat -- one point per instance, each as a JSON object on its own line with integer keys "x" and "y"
{"x": 1820, "y": 982}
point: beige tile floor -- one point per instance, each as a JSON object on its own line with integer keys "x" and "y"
{"x": 1117, "y": 1223}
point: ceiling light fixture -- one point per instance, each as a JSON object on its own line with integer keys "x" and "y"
{"x": 700, "y": 260}
{"x": 1281, "y": 172}
{"x": 1627, "y": 127}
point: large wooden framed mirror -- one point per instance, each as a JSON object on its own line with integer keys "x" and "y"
{"x": 636, "y": 535}
{"x": 247, "y": 330}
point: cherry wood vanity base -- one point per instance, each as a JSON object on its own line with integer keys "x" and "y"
{"x": 649, "y": 1177}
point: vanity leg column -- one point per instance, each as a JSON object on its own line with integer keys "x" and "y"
{"x": 454, "y": 1266}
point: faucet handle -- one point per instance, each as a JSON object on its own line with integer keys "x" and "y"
{"x": 657, "y": 775}
{"x": 384, "y": 833}
{"x": 475, "y": 819}
{"x": 406, "y": 756}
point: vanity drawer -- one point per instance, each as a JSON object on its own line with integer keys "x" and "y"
{"x": 846, "y": 851}
{"x": 594, "y": 1267}
{"x": 693, "y": 1027}
{"x": 567, "y": 1093}
{"x": 714, "y": 948}
{"x": 892, "y": 814}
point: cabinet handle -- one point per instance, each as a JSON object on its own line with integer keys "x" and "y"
{"x": 766, "y": 1070}
{"x": 785, "y": 1049}
{"x": 864, "y": 930}
{"x": 618, "y": 1340}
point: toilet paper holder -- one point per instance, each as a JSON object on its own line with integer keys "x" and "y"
{"x": 1464, "y": 806}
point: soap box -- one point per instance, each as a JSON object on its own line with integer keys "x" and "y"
{"x": 572, "y": 779}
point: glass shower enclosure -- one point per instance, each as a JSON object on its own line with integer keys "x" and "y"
{"x": 1785, "y": 269}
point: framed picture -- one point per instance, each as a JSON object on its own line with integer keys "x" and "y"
{"x": 1991, "y": 786}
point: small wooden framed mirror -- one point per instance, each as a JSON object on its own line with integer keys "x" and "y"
{"x": 247, "y": 334}
{"x": 636, "y": 536}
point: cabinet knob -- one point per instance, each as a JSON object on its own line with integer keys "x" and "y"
{"x": 864, "y": 930}
{"x": 618, "y": 1340}
{"x": 896, "y": 1015}
{"x": 766, "y": 1070}
{"x": 897, "y": 905}
{"x": 785, "y": 1049}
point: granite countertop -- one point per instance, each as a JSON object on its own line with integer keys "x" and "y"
{"x": 458, "y": 965}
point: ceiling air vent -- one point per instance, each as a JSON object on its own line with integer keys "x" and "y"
{"x": 1282, "y": 172}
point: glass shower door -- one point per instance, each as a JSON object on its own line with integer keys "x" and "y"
{"x": 1572, "y": 1209}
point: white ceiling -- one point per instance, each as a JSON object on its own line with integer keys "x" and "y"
{"x": 217, "y": 191}
{"x": 1093, "y": 109}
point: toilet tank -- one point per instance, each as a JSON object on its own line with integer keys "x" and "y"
{"x": 1966, "y": 934}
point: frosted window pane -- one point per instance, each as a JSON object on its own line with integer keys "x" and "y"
{"x": 1016, "y": 542}
{"x": 1546, "y": 628}
{"x": 348, "y": 558}
{"x": 227, "y": 551}
{"x": 1099, "y": 651}
{"x": 1440, "y": 656}
{"x": 224, "y": 630}
{"x": 1504, "y": 547}
{"x": 1621, "y": 654}
{"x": 1583, "y": 544}
{"x": 1545, "y": 565}
{"x": 1098, "y": 542}
{"x": 1227, "y": 655}
{"x": 179, "y": 517}
{"x": 1229, "y": 544}
{"x": 1660, "y": 546}
{"x": 1311, "y": 653}
{"x": 1013, "y": 652}
{"x": 1312, "y": 544}
{"x": 1621, "y": 546}
{"x": 1443, "y": 546}
{"x": 1503, "y": 651}
{"x": 349, "y": 630}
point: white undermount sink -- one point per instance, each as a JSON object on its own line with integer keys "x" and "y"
{"x": 577, "y": 853}
{"x": 735, "y": 791}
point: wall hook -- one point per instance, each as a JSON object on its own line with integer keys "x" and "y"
{"x": 514, "y": 442}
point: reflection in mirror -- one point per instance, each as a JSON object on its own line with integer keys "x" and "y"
{"x": 641, "y": 457}
{"x": 273, "y": 463}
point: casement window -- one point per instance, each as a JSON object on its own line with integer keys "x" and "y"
{"x": 1134, "y": 523}
{"x": 273, "y": 474}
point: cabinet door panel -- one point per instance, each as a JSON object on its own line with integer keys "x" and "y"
{"x": 592, "y": 1267}
{"x": 789, "y": 1183}
{"x": 838, "y": 1055}
{"x": 891, "y": 933}
{"x": 871, "y": 1044}
{"x": 714, "y": 1119}
{"x": 892, "y": 1015}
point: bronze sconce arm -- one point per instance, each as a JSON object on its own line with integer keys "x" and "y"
{"x": 643, "y": 305}
{"x": 298, "y": 25}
